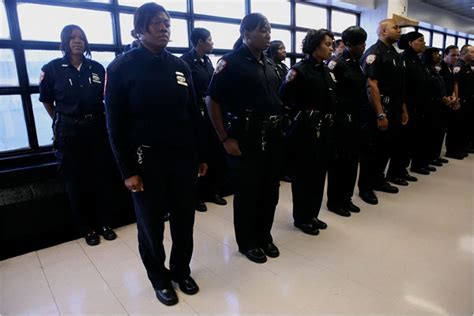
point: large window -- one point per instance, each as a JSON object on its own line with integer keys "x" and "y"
{"x": 437, "y": 40}
{"x": 282, "y": 35}
{"x": 8, "y": 74}
{"x": 450, "y": 40}
{"x": 227, "y": 8}
{"x": 342, "y": 20}
{"x": 169, "y": 5}
{"x": 311, "y": 17}
{"x": 223, "y": 35}
{"x": 43, "y": 122}
{"x": 4, "y": 31}
{"x": 426, "y": 35}
{"x": 12, "y": 123}
{"x": 96, "y": 24}
{"x": 276, "y": 11}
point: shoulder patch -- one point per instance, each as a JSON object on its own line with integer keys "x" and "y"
{"x": 456, "y": 69}
{"x": 370, "y": 59}
{"x": 290, "y": 75}
{"x": 332, "y": 64}
{"x": 41, "y": 76}
{"x": 221, "y": 64}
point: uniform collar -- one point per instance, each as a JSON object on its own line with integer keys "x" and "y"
{"x": 66, "y": 62}
{"x": 314, "y": 61}
{"x": 391, "y": 48}
{"x": 243, "y": 49}
{"x": 195, "y": 57}
{"x": 158, "y": 57}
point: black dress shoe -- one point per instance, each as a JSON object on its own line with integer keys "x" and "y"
{"x": 409, "y": 177}
{"x": 271, "y": 250}
{"x": 386, "y": 187}
{"x": 338, "y": 210}
{"x": 166, "y": 217}
{"x": 420, "y": 170}
{"x": 286, "y": 179}
{"x": 319, "y": 223}
{"x": 167, "y": 296}
{"x": 398, "y": 181}
{"x": 256, "y": 255}
{"x": 92, "y": 239}
{"x": 351, "y": 207}
{"x": 436, "y": 163}
{"x": 457, "y": 156}
{"x": 187, "y": 285}
{"x": 442, "y": 160}
{"x": 108, "y": 233}
{"x": 217, "y": 199}
{"x": 309, "y": 228}
{"x": 430, "y": 168}
{"x": 369, "y": 197}
{"x": 201, "y": 207}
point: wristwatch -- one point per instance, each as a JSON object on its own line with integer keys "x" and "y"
{"x": 381, "y": 116}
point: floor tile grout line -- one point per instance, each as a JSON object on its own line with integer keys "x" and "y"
{"x": 105, "y": 281}
{"x": 47, "y": 281}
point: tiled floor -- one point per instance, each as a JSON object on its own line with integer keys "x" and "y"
{"x": 410, "y": 255}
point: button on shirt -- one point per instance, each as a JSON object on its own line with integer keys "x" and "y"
{"x": 73, "y": 92}
{"x": 242, "y": 82}
{"x": 382, "y": 63}
{"x": 202, "y": 71}
{"x": 149, "y": 101}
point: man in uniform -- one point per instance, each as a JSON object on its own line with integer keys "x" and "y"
{"x": 464, "y": 90}
{"x": 202, "y": 70}
{"x": 451, "y": 56}
{"x": 385, "y": 83}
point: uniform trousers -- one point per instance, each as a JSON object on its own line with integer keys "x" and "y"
{"x": 256, "y": 174}
{"x": 169, "y": 178}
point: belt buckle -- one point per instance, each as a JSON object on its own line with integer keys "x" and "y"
{"x": 273, "y": 118}
{"x": 88, "y": 116}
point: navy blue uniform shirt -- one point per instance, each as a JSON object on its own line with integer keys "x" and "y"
{"x": 149, "y": 101}
{"x": 242, "y": 82}
{"x": 383, "y": 63}
{"x": 202, "y": 71}
{"x": 464, "y": 75}
{"x": 417, "y": 82}
{"x": 73, "y": 92}
{"x": 351, "y": 84}
{"x": 448, "y": 76}
{"x": 309, "y": 86}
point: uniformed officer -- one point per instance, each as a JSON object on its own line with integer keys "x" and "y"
{"x": 245, "y": 110}
{"x": 415, "y": 134}
{"x": 351, "y": 96}
{"x": 71, "y": 89}
{"x": 277, "y": 52}
{"x": 202, "y": 70}
{"x": 309, "y": 92}
{"x": 153, "y": 125}
{"x": 453, "y": 150}
{"x": 464, "y": 90}
{"x": 385, "y": 83}
{"x": 438, "y": 106}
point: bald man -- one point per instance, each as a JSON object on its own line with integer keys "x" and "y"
{"x": 385, "y": 74}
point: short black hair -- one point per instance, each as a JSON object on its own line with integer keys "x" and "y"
{"x": 144, "y": 15}
{"x": 354, "y": 35}
{"x": 274, "y": 47}
{"x": 66, "y": 37}
{"x": 249, "y": 23}
{"x": 405, "y": 39}
{"x": 427, "y": 56}
{"x": 337, "y": 42}
{"x": 449, "y": 48}
{"x": 314, "y": 38}
{"x": 199, "y": 33}
{"x": 464, "y": 49}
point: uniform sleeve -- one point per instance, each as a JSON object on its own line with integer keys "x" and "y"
{"x": 221, "y": 81}
{"x": 46, "y": 85}
{"x": 116, "y": 104}
{"x": 372, "y": 66}
{"x": 288, "y": 90}
{"x": 199, "y": 123}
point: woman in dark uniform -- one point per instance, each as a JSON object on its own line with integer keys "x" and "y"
{"x": 439, "y": 106}
{"x": 71, "y": 89}
{"x": 277, "y": 52}
{"x": 309, "y": 93}
{"x": 153, "y": 123}
{"x": 245, "y": 109}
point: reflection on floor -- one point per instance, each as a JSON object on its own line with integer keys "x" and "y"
{"x": 410, "y": 255}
